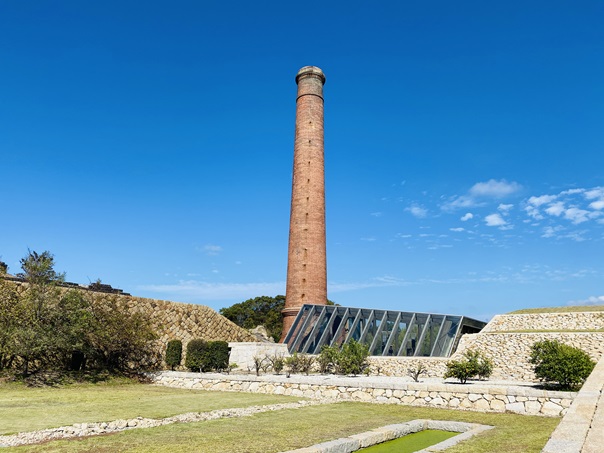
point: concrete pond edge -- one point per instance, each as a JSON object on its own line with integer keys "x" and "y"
{"x": 390, "y": 432}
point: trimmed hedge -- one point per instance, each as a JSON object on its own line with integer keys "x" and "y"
{"x": 206, "y": 356}
{"x": 173, "y": 353}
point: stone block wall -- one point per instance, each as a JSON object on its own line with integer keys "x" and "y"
{"x": 579, "y": 321}
{"x": 507, "y": 339}
{"x": 173, "y": 320}
{"x": 473, "y": 397}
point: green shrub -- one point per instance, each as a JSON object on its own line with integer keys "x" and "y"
{"x": 293, "y": 364}
{"x": 327, "y": 359}
{"x": 352, "y": 358}
{"x": 196, "y": 351}
{"x": 556, "y": 362}
{"x": 173, "y": 353}
{"x": 216, "y": 357}
{"x": 473, "y": 363}
{"x": 277, "y": 363}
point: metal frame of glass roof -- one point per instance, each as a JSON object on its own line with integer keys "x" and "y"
{"x": 385, "y": 332}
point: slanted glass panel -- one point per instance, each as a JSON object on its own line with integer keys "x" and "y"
{"x": 445, "y": 341}
{"x": 295, "y": 328}
{"x": 385, "y": 332}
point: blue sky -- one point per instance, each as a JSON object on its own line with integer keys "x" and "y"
{"x": 150, "y": 144}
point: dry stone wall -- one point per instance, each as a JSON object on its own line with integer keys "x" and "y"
{"x": 507, "y": 339}
{"x": 476, "y": 397}
{"x": 173, "y": 320}
{"x": 579, "y": 321}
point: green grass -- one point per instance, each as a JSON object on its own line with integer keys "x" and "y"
{"x": 570, "y": 309}
{"x": 289, "y": 429}
{"x": 30, "y": 409}
{"x": 411, "y": 442}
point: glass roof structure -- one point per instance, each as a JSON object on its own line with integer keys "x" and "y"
{"x": 385, "y": 332}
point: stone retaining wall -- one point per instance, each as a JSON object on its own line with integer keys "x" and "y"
{"x": 546, "y": 321}
{"x": 475, "y": 396}
{"x": 510, "y": 352}
{"x": 172, "y": 320}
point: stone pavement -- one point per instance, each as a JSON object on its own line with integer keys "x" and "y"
{"x": 582, "y": 428}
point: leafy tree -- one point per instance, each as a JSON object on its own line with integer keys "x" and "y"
{"x": 473, "y": 363}
{"x": 49, "y": 327}
{"x": 560, "y": 363}
{"x": 173, "y": 353}
{"x": 263, "y": 310}
{"x": 39, "y": 269}
{"x": 10, "y": 314}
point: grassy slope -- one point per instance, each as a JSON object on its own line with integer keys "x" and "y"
{"x": 29, "y": 409}
{"x": 289, "y": 429}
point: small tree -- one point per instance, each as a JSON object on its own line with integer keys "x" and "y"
{"x": 473, "y": 363}
{"x": 173, "y": 353}
{"x": 196, "y": 351}
{"x": 416, "y": 372}
{"x": 277, "y": 362}
{"x": 560, "y": 363}
{"x": 328, "y": 358}
{"x": 352, "y": 358}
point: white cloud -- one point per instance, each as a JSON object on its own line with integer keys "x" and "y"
{"x": 576, "y": 215}
{"x": 556, "y": 209}
{"x": 417, "y": 211}
{"x": 592, "y": 300}
{"x": 194, "y": 290}
{"x": 598, "y": 205}
{"x": 212, "y": 250}
{"x": 541, "y": 200}
{"x": 494, "y": 188}
{"x": 596, "y": 192}
{"x": 505, "y": 208}
{"x": 480, "y": 191}
{"x": 368, "y": 239}
{"x": 376, "y": 214}
{"x": 550, "y": 232}
{"x": 457, "y": 229}
{"x": 495, "y": 220}
{"x": 467, "y": 216}
{"x": 533, "y": 212}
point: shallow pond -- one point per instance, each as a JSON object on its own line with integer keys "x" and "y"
{"x": 411, "y": 442}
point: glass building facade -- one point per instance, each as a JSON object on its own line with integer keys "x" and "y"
{"x": 385, "y": 332}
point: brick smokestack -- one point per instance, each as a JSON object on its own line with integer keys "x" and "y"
{"x": 306, "y": 259}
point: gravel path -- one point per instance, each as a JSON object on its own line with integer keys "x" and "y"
{"x": 95, "y": 429}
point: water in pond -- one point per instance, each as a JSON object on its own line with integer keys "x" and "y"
{"x": 411, "y": 442}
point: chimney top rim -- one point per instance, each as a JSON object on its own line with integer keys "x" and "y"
{"x": 310, "y": 71}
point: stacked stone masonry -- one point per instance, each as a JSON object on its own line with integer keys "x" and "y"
{"x": 507, "y": 340}
{"x": 476, "y": 397}
{"x": 175, "y": 320}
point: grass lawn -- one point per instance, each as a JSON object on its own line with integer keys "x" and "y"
{"x": 30, "y": 409}
{"x": 288, "y": 429}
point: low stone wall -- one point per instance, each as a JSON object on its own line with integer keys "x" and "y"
{"x": 476, "y": 396}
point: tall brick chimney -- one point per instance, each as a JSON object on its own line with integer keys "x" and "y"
{"x": 306, "y": 259}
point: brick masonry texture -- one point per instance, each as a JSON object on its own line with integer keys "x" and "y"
{"x": 306, "y": 264}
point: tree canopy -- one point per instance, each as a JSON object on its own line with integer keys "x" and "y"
{"x": 262, "y": 310}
